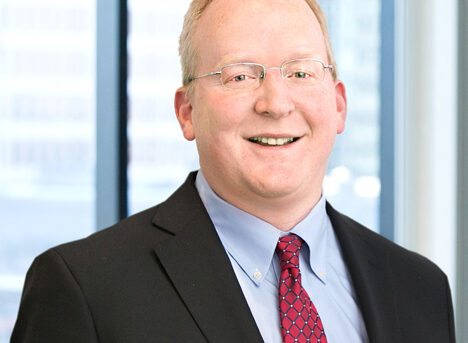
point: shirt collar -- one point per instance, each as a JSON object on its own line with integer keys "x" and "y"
{"x": 251, "y": 241}
{"x": 314, "y": 231}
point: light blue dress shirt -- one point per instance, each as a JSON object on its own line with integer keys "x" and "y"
{"x": 250, "y": 244}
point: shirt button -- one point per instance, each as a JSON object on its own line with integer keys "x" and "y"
{"x": 257, "y": 275}
{"x": 321, "y": 274}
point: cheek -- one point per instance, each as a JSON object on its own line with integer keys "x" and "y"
{"x": 319, "y": 113}
{"x": 326, "y": 106}
{"x": 220, "y": 113}
{"x": 217, "y": 121}
{"x": 321, "y": 117}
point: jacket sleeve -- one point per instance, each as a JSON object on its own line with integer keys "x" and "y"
{"x": 53, "y": 307}
{"x": 450, "y": 315}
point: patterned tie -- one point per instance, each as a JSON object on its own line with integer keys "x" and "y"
{"x": 300, "y": 321}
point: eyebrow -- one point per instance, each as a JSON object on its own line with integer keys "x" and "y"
{"x": 230, "y": 59}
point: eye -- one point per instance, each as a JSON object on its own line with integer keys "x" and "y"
{"x": 298, "y": 74}
{"x": 241, "y": 75}
{"x": 239, "y": 78}
{"x": 301, "y": 74}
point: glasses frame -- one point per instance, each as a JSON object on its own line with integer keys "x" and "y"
{"x": 265, "y": 69}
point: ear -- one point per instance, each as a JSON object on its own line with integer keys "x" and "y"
{"x": 183, "y": 110}
{"x": 341, "y": 105}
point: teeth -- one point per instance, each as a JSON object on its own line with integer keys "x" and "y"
{"x": 272, "y": 141}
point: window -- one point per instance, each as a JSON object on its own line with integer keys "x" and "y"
{"x": 46, "y": 135}
{"x": 47, "y": 111}
{"x": 352, "y": 183}
{"x": 160, "y": 157}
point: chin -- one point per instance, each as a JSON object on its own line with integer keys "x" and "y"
{"x": 274, "y": 187}
{"x": 284, "y": 182}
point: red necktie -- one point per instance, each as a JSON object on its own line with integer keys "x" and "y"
{"x": 300, "y": 321}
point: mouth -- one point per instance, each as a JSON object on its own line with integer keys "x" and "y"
{"x": 271, "y": 141}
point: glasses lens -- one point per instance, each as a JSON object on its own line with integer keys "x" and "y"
{"x": 303, "y": 71}
{"x": 241, "y": 76}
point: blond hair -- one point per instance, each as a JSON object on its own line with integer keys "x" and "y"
{"x": 188, "y": 52}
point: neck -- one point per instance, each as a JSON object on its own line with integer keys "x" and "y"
{"x": 284, "y": 216}
{"x": 283, "y": 213}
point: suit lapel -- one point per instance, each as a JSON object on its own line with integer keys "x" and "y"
{"x": 196, "y": 262}
{"x": 372, "y": 278}
{"x": 200, "y": 270}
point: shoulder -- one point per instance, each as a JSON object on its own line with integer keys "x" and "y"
{"x": 70, "y": 283}
{"x": 130, "y": 234}
{"x": 393, "y": 283}
{"x": 355, "y": 237}
{"x": 139, "y": 233}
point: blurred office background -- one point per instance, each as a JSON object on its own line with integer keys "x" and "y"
{"x": 75, "y": 157}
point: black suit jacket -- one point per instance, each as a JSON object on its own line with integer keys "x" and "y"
{"x": 163, "y": 276}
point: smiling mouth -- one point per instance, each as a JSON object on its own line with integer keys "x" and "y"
{"x": 269, "y": 141}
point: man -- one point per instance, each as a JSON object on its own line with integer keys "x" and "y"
{"x": 247, "y": 250}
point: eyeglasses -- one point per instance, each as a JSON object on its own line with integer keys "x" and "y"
{"x": 249, "y": 76}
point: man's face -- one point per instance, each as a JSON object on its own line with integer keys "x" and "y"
{"x": 223, "y": 120}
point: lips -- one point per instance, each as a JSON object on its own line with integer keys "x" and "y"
{"x": 272, "y": 141}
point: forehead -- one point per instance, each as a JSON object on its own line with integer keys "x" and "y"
{"x": 256, "y": 30}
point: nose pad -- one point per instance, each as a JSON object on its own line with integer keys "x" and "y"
{"x": 275, "y": 98}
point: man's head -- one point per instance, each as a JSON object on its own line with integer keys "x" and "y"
{"x": 265, "y": 146}
{"x": 188, "y": 51}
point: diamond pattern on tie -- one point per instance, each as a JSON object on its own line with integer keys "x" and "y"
{"x": 300, "y": 321}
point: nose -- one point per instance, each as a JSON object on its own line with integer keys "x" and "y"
{"x": 274, "y": 96}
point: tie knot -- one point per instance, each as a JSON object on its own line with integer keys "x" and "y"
{"x": 288, "y": 251}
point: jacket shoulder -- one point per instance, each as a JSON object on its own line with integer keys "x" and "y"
{"x": 350, "y": 231}
{"x": 126, "y": 235}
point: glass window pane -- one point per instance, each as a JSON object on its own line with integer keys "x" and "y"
{"x": 160, "y": 157}
{"x": 352, "y": 183}
{"x": 47, "y": 115}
